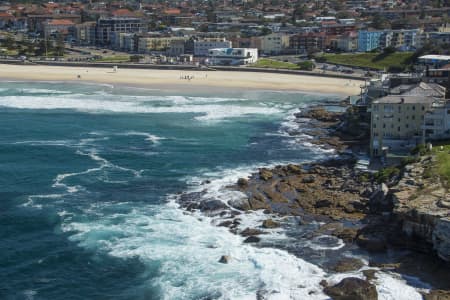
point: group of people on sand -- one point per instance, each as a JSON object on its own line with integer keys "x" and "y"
{"x": 186, "y": 77}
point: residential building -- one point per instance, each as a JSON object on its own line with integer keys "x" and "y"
{"x": 437, "y": 121}
{"x": 308, "y": 41}
{"x": 57, "y": 26}
{"x": 107, "y": 26}
{"x": 348, "y": 42}
{"x": 85, "y": 33}
{"x": 232, "y": 56}
{"x": 201, "y": 47}
{"x": 148, "y": 44}
{"x": 369, "y": 40}
{"x": 274, "y": 43}
{"x": 396, "y": 123}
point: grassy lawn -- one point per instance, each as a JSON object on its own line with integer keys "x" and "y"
{"x": 115, "y": 59}
{"x": 370, "y": 60}
{"x": 443, "y": 160}
{"x": 275, "y": 64}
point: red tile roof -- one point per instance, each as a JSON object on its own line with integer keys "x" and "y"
{"x": 122, "y": 12}
{"x": 60, "y": 22}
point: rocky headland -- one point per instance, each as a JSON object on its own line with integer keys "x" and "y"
{"x": 398, "y": 208}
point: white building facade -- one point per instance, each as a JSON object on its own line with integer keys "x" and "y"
{"x": 232, "y": 56}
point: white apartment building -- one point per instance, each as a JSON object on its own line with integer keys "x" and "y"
{"x": 202, "y": 47}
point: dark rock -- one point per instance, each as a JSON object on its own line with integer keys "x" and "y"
{"x": 323, "y": 203}
{"x": 269, "y": 223}
{"x": 308, "y": 179}
{"x": 242, "y": 182}
{"x": 251, "y": 232}
{"x": 372, "y": 242}
{"x": 348, "y": 235}
{"x": 252, "y": 239}
{"x": 212, "y": 205}
{"x": 224, "y": 259}
{"x": 352, "y": 288}
{"x": 348, "y": 264}
{"x": 323, "y": 283}
{"x": 226, "y": 224}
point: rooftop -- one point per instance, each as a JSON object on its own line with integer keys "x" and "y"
{"x": 398, "y": 99}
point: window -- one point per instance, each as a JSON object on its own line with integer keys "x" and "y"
{"x": 423, "y": 107}
{"x": 384, "y": 125}
{"x": 398, "y": 128}
{"x": 413, "y": 117}
{"x": 414, "y": 107}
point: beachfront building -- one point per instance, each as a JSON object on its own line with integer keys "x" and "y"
{"x": 348, "y": 42}
{"x": 434, "y": 61}
{"x": 84, "y": 33}
{"x": 106, "y": 27}
{"x": 232, "y": 56}
{"x": 274, "y": 43}
{"x": 436, "y": 123}
{"x": 202, "y": 47}
{"x": 396, "y": 123}
{"x": 149, "y": 44}
{"x": 369, "y": 40}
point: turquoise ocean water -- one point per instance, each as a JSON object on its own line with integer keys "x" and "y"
{"x": 89, "y": 175}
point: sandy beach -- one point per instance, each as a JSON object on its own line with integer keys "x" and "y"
{"x": 176, "y": 79}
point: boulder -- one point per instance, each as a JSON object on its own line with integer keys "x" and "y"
{"x": 252, "y": 239}
{"x": 265, "y": 174}
{"x": 241, "y": 204}
{"x": 323, "y": 203}
{"x": 352, "y": 288}
{"x": 269, "y": 223}
{"x": 242, "y": 182}
{"x": 212, "y": 205}
{"x": 348, "y": 264}
{"x": 225, "y": 223}
{"x": 294, "y": 169}
{"x": 224, "y": 259}
{"x": 256, "y": 202}
{"x": 309, "y": 179}
{"x": 348, "y": 235}
{"x": 251, "y": 232}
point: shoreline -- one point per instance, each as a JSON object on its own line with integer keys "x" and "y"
{"x": 173, "y": 80}
{"x": 335, "y": 195}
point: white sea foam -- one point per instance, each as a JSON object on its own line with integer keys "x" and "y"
{"x": 148, "y": 136}
{"x": 208, "y": 111}
{"x": 187, "y": 251}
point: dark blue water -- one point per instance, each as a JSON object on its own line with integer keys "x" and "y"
{"x": 88, "y": 175}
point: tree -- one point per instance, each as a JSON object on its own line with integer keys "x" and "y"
{"x": 59, "y": 49}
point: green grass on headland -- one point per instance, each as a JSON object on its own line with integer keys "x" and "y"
{"x": 443, "y": 160}
{"x": 380, "y": 61}
{"x": 274, "y": 64}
